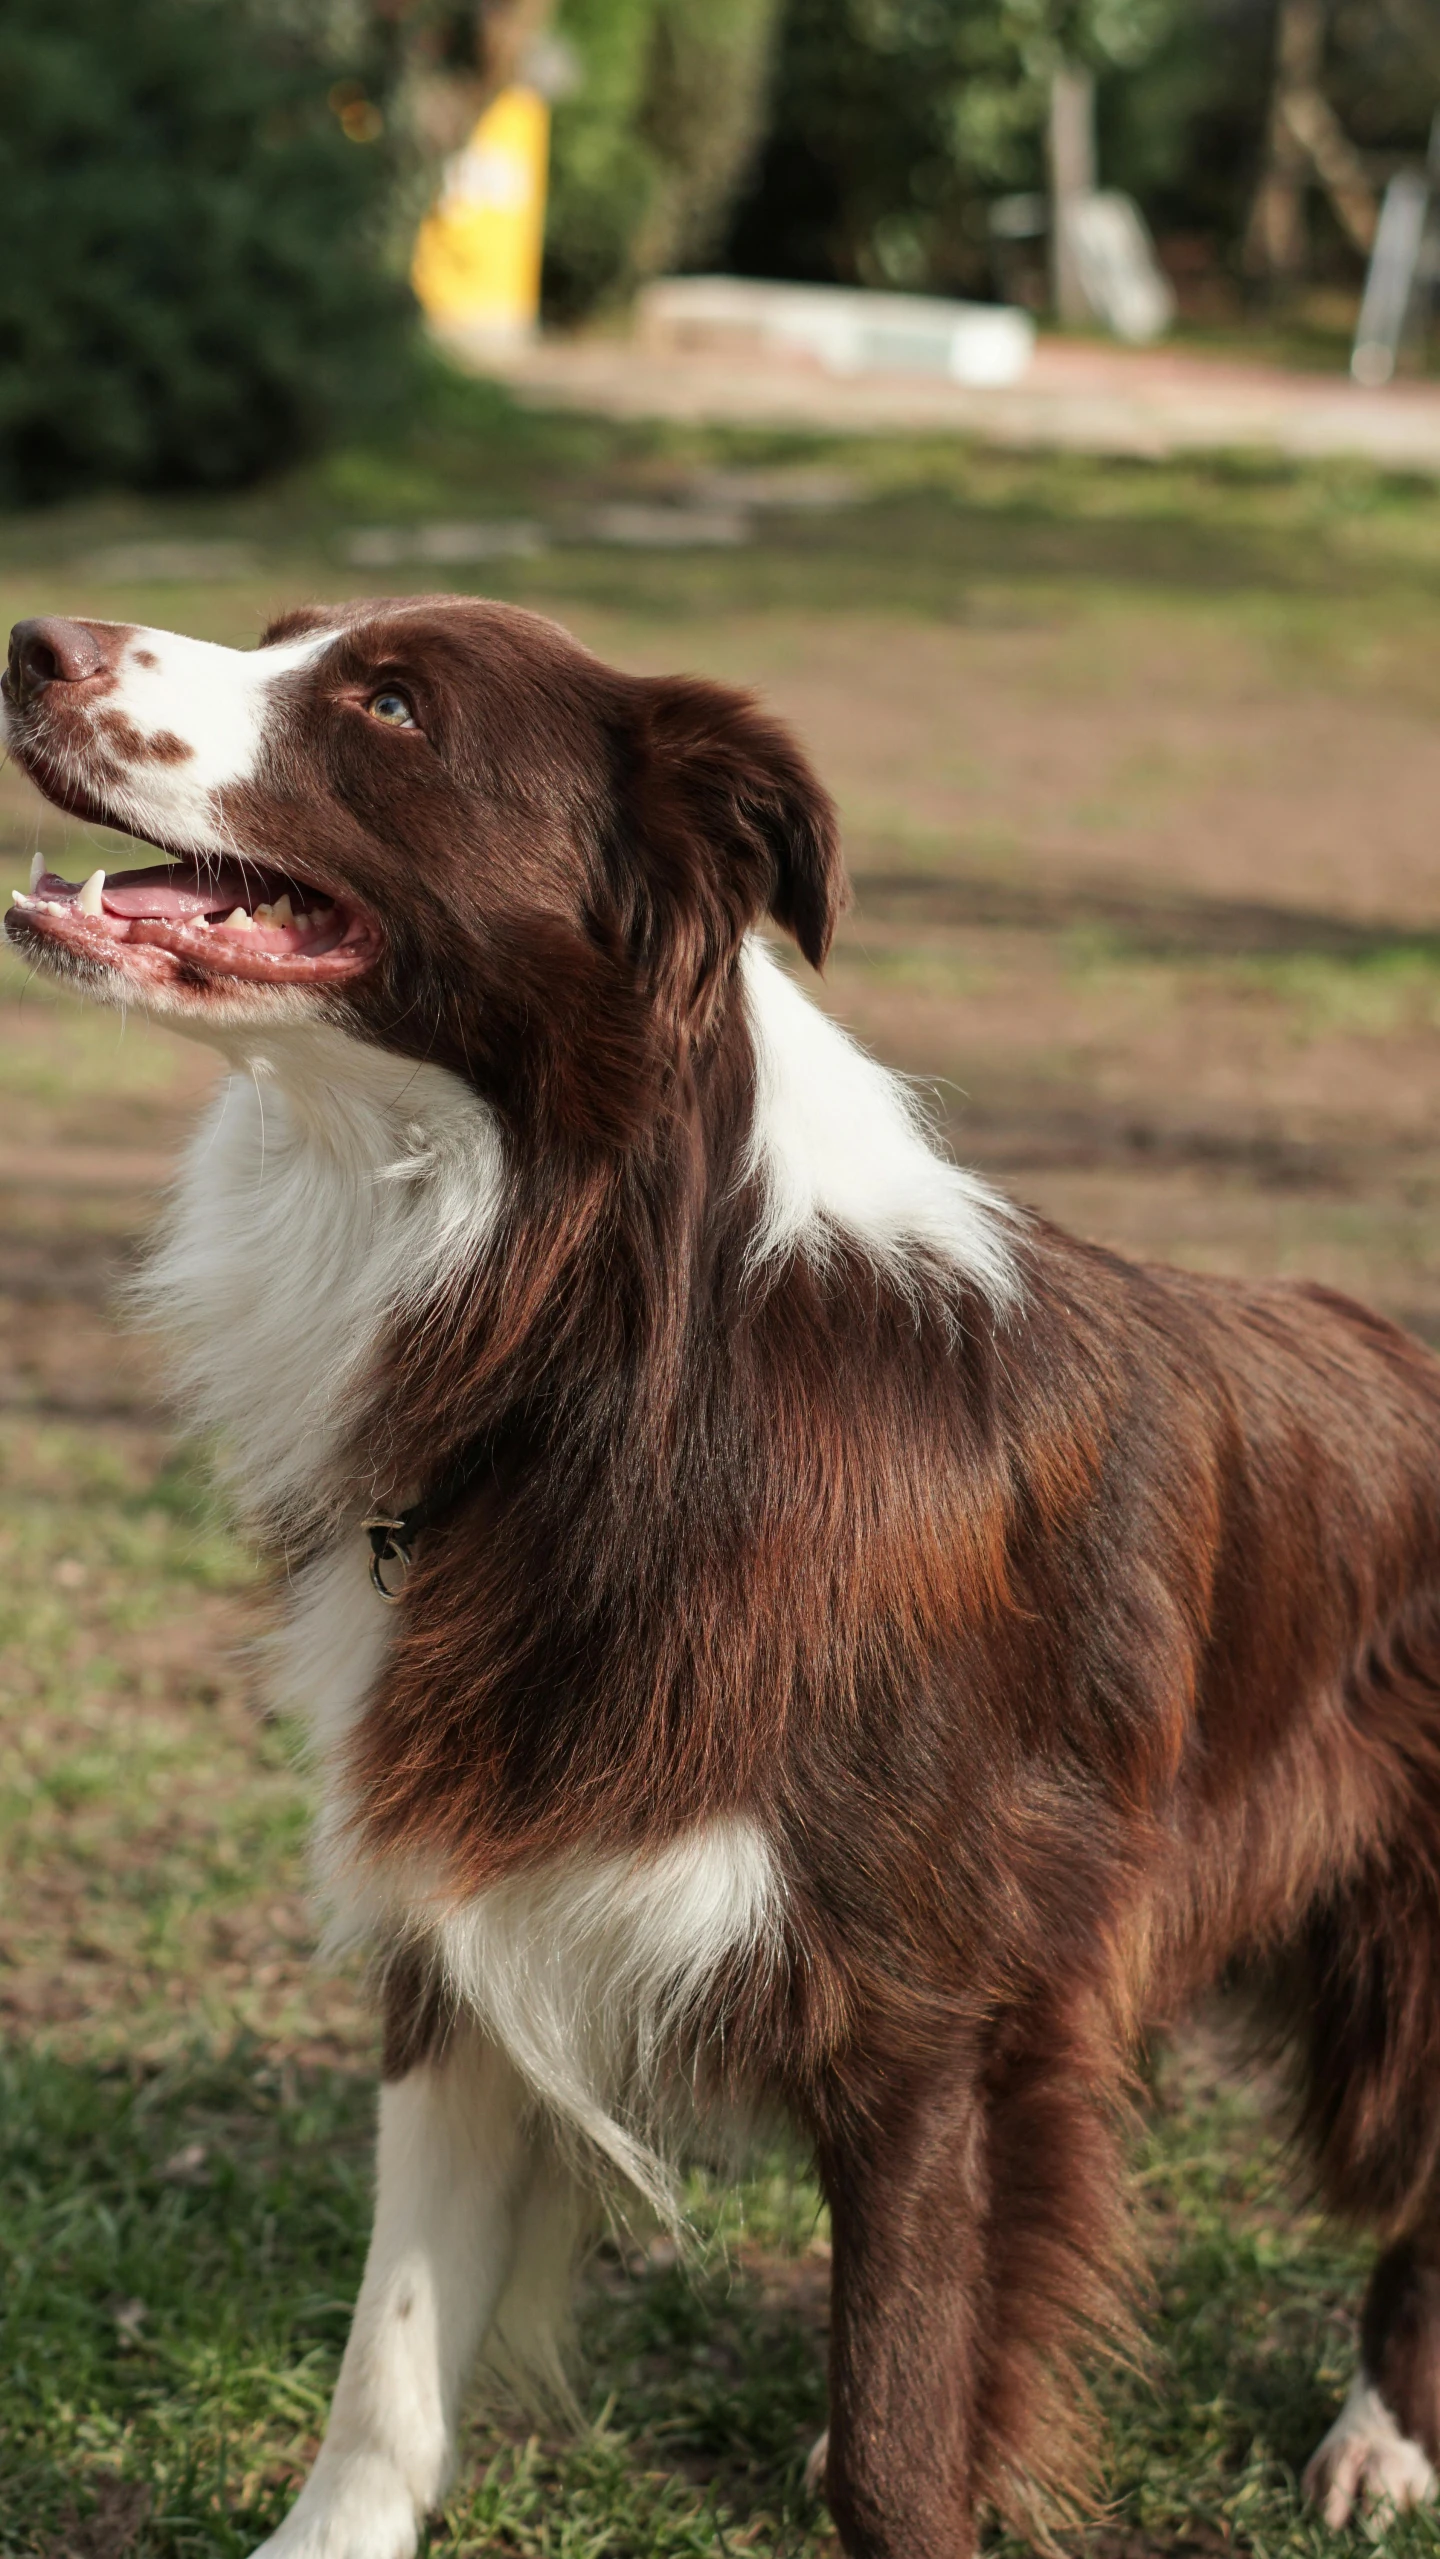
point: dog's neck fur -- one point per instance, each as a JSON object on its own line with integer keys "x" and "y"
{"x": 330, "y": 1190}
{"x": 335, "y": 1195}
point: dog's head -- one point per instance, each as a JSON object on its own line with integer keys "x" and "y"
{"x": 436, "y": 822}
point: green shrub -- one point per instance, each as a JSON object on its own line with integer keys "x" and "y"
{"x": 649, "y": 149}
{"x": 194, "y": 284}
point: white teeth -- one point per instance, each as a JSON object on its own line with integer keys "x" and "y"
{"x": 88, "y": 900}
{"x": 44, "y": 907}
{"x": 282, "y": 912}
{"x": 237, "y": 921}
{"x": 37, "y": 870}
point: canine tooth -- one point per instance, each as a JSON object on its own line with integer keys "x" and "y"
{"x": 37, "y": 871}
{"x": 88, "y": 899}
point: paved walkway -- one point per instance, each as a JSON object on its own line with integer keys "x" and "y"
{"x": 1090, "y": 399}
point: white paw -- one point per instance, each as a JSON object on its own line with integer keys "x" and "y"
{"x": 358, "y": 2508}
{"x": 815, "y": 2460}
{"x": 1366, "y": 2463}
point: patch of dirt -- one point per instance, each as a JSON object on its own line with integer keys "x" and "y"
{"x": 1202, "y": 2543}
{"x": 1151, "y": 919}
{"x": 1174, "y": 753}
{"x": 112, "y": 2525}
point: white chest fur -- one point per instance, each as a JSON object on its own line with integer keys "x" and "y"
{"x": 330, "y": 1188}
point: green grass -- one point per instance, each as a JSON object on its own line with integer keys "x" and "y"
{"x": 940, "y": 526}
{"x": 1377, "y": 994}
{"x": 180, "y": 2247}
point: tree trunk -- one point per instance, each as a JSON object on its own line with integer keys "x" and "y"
{"x": 1275, "y": 241}
{"x": 505, "y": 30}
{"x": 447, "y": 104}
{"x": 1072, "y": 176}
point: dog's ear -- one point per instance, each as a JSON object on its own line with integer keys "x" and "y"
{"x": 300, "y": 620}
{"x": 729, "y": 816}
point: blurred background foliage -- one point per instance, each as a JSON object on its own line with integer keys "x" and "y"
{"x": 202, "y": 274}
{"x": 664, "y": 120}
{"x": 893, "y": 124}
{"x": 213, "y": 200}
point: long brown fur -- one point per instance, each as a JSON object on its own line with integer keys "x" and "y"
{"x": 1070, "y": 1657}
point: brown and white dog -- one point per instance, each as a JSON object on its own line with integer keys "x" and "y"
{"x": 863, "y": 1654}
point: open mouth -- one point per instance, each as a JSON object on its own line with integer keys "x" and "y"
{"x": 196, "y": 920}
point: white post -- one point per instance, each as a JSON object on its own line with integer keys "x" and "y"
{"x": 1390, "y": 283}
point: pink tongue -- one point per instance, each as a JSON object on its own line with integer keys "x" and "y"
{"x": 176, "y": 890}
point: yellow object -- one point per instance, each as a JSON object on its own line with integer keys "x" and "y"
{"x": 477, "y": 259}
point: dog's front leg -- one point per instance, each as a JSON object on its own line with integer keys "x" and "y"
{"x": 452, "y": 2167}
{"x": 979, "y": 2245}
{"x": 903, "y": 2185}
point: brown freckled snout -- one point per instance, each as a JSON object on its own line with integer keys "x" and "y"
{"x": 50, "y": 651}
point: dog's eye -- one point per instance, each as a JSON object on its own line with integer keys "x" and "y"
{"x": 392, "y": 708}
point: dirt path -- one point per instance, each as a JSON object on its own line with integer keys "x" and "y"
{"x": 1081, "y": 397}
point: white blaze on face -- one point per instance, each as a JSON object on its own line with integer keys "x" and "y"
{"x": 213, "y": 701}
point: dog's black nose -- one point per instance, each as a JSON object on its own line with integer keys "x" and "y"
{"x": 50, "y": 651}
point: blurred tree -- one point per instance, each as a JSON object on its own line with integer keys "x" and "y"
{"x": 894, "y": 119}
{"x": 666, "y": 113}
{"x": 895, "y": 122}
{"x": 459, "y": 59}
{"x": 1304, "y": 137}
{"x": 1367, "y": 72}
{"x": 199, "y": 196}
